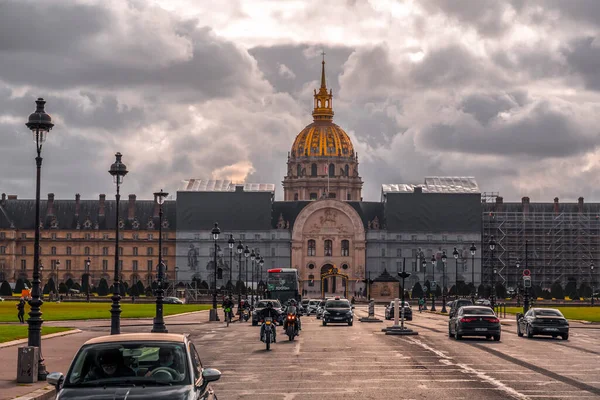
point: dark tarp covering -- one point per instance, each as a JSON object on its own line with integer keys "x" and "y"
{"x": 433, "y": 212}
{"x": 232, "y": 210}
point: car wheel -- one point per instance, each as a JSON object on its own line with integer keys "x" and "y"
{"x": 254, "y": 323}
{"x": 565, "y": 336}
{"x": 519, "y": 333}
{"x": 350, "y": 323}
{"x": 324, "y": 323}
{"x": 529, "y": 332}
{"x": 496, "y": 338}
{"x": 457, "y": 336}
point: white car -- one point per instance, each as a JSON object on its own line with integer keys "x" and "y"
{"x": 313, "y": 304}
{"x": 483, "y": 302}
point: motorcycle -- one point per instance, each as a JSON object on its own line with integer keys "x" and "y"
{"x": 245, "y": 315}
{"x": 291, "y": 326}
{"x": 268, "y": 333}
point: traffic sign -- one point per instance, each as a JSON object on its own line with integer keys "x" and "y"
{"x": 527, "y": 281}
{"x": 526, "y": 272}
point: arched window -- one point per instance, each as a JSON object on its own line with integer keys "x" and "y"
{"x": 298, "y": 170}
{"x": 53, "y": 251}
{"x": 295, "y": 196}
{"x": 312, "y": 247}
{"x": 86, "y": 251}
{"x": 346, "y": 170}
{"x": 328, "y": 247}
{"x": 345, "y": 248}
{"x": 331, "y": 170}
{"x": 313, "y": 170}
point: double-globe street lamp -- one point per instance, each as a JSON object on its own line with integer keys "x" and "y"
{"x": 424, "y": 266}
{"x": 118, "y": 170}
{"x": 492, "y": 244}
{"x": 455, "y": 254}
{"x": 240, "y": 250}
{"x": 230, "y": 243}
{"x": 40, "y": 125}
{"x": 432, "y": 284}
{"x": 252, "y": 291}
{"x": 473, "y": 250}
{"x": 158, "y": 325}
{"x": 261, "y": 264}
{"x": 246, "y": 255}
{"x": 88, "y": 262}
{"x": 213, "y": 312}
{"x": 444, "y": 260}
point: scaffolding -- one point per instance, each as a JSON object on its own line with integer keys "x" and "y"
{"x": 561, "y": 245}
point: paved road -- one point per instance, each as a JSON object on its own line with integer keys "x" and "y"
{"x": 342, "y": 362}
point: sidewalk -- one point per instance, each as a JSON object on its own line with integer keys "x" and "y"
{"x": 58, "y": 352}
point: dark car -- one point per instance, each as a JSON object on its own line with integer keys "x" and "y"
{"x": 543, "y": 321}
{"x": 457, "y": 304}
{"x": 389, "y": 311}
{"x": 338, "y": 311}
{"x": 258, "y": 307}
{"x": 172, "y": 300}
{"x": 474, "y": 321}
{"x": 136, "y": 366}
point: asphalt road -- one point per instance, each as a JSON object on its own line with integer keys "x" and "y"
{"x": 361, "y": 362}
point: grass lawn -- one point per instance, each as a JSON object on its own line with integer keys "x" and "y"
{"x": 69, "y": 311}
{"x": 591, "y": 314}
{"x": 14, "y": 332}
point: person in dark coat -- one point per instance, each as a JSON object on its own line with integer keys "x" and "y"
{"x": 110, "y": 364}
{"x": 21, "y": 310}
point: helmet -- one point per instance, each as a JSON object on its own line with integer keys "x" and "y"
{"x": 269, "y": 305}
{"x": 292, "y": 302}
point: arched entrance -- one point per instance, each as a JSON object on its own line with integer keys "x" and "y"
{"x": 333, "y": 282}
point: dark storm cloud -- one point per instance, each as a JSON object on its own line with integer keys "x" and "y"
{"x": 583, "y": 56}
{"x": 485, "y": 107}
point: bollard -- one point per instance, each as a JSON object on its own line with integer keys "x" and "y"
{"x": 27, "y": 364}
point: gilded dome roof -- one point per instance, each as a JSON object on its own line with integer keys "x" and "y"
{"x": 322, "y": 138}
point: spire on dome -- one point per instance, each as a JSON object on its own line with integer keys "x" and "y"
{"x": 323, "y": 101}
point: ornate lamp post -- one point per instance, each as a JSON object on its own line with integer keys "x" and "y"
{"x": 592, "y": 280}
{"x": 87, "y": 274}
{"x": 118, "y": 170}
{"x": 252, "y": 292}
{"x": 230, "y": 243}
{"x": 455, "y": 255}
{"x": 158, "y": 325}
{"x": 473, "y": 250}
{"x": 57, "y": 283}
{"x": 213, "y": 312}
{"x": 261, "y": 263}
{"x": 433, "y": 262}
{"x": 518, "y": 265}
{"x": 40, "y": 125}
{"x": 444, "y": 260}
{"x": 240, "y": 250}
{"x": 424, "y": 265}
{"x": 246, "y": 255}
{"x": 492, "y": 245}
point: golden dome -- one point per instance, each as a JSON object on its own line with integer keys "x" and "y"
{"x": 322, "y": 138}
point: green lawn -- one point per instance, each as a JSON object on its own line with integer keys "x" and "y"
{"x": 14, "y": 332}
{"x": 591, "y": 314}
{"x": 69, "y": 311}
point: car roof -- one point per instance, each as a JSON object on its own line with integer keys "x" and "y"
{"x": 475, "y": 308}
{"x": 543, "y": 308}
{"x": 139, "y": 337}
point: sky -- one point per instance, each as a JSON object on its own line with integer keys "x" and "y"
{"x": 505, "y": 91}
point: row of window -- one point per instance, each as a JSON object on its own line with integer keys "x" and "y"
{"x": 241, "y": 236}
{"x": 150, "y": 264}
{"x": 87, "y": 251}
{"x": 328, "y": 248}
{"x": 330, "y": 170}
{"x": 415, "y": 238}
{"x": 88, "y": 236}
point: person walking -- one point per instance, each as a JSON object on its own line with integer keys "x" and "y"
{"x": 21, "y": 310}
{"x": 421, "y": 303}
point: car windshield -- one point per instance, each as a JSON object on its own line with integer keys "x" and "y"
{"x": 337, "y": 304}
{"x": 313, "y": 302}
{"x": 141, "y": 363}
{"x": 477, "y": 311}
{"x": 263, "y": 304}
{"x": 548, "y": 313}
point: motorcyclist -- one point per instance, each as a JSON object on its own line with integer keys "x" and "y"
{"x": 269, "y": 312}
{"x": 296, "y": 311}
{"x": 227, "y": 303}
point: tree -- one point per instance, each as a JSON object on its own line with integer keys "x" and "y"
{"x": 28, "y": 283}
{"x": 417, "y": 291}
{"x": 203, "y": 285}
{"x": 133, "y": 291}
{"x": 470, "y": 288}
{"x": 500, "y": 290}
{"x": 103, "y": 287}
{"x": 483, "y": 291}
{"x": 122, "y": 288}
{"x": 546, "y": 295}
{"x": 571, "y": 290}
{"x": 585, "y": 290}
{"x": 51, "y": 285}
{"x": 62, "y": 288}
{"x": 5, "y": 289}
{"x": 438, "y": 291}
{"x": 85, "y": 283}
{"x": 239, "y": 287}
{"x": 19, "y": 285}
{"x": 452, "y": 291}
{"x": 69, "y": 283}
{"x": 140, "y": 288}
{"x": 557, "y": 291}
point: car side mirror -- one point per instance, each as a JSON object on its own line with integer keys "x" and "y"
{"x": 450, "y": 314}
{"x": 211, "y": 375}
{"x": 55, "y": 379}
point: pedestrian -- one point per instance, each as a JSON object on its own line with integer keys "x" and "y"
{"x": 132, "y": 298}
{"x": 21, "y": 310}
{"x": 421, "y": 303}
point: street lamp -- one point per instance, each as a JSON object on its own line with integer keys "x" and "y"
{"x": 492, "y": 245}
{"x": 40, "y": 125}
{"x": 518, "y": 266}
{"x": 230, "y": 243}
{"x": 432, "y": 283}
{"x": 158, "y": 325}
{"x": 213, "y": 312}
{"x": 424, "y": 266}
{"x": 444, "y": 260}
{"x": 592, "y": 280}
{"x": 455, "y": 254}
{"x": 261, "y": 263}
{"x": 57, "y": 284}
{"x": 246, "y": 255}
{"x": 87, "y": 274}
{"x": 240, "y": 250}
{"x": 473, "y": 251}
{"x": 118, "y": 170}
{"x": 252, "y": 292}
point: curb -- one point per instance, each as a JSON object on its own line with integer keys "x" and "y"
{"x": 46, "y": 393}
{"x": 50, "y": 336}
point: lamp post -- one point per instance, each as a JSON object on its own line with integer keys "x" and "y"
{"x": 159, "y": 322}
{"x": 118, "y": 170}
{"x": 252, "y": 258}
{"x": 444, "y": 260}
{"x": 213, "y": 312}
{"x": 424, "y": 265}
{"x": 455, "y": 254}
{"x": 246, "y": 255}
{"x": 261, "y": 263}
{"x": 57, "y": 283}
{"x": 41, "y": 281}
{"x": 240, "y": 250}
{"x": 40, "y": 125}
{"x": 492, "y": 245}
{"x": 230, "y": 243}
{"x": 87, "y": 274}
{"x": 473, "y": 251}
{"x": 518, "y": 265}
{"x": 433, "y": 262}
{"x": 592, "y": 280}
